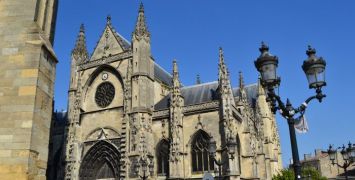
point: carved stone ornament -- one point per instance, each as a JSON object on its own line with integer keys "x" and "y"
{"x": 104, "y": 95}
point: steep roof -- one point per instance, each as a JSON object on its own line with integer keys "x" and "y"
{"x": 251, "y": 91}
{"x": 200, "y": 93}
{"x": 206, "y": 92}
{"x": 162, "y": 75}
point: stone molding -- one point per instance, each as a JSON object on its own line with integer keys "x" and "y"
{"x": 193, "y": 109}
{"x": 105, "y": 60}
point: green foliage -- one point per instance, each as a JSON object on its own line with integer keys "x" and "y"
{"x": 307, "y": 173}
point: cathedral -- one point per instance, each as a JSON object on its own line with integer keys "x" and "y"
{"x": 128, "y": 118}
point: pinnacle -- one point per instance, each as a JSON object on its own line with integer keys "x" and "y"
{"x": 141, "y": 7}
{"x": 108, "y": 19}
{"x": 141, "y": 27}
{"x": 82, "y": 28}
{"x": 80, "y": 52}
{"x": 176, "y": 81}
{"x": 220, "y": 52}
{"x": 198, "y": 79}
{"x": 241, "y": 80}
{"x": 175, "y": 67}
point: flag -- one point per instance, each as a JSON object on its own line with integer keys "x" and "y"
{"x": 301, "y": 124}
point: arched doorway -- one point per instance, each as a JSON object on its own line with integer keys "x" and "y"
{"x": 102, "y": 161}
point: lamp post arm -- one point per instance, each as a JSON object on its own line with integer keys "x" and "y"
{"x": 304, "y": 105}
{"x": 274, "y": 97}
{"x": 286, "y": 112}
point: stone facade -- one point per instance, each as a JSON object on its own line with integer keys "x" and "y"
{"x": 125, "y": 113}
{"x": 27, "y": 75}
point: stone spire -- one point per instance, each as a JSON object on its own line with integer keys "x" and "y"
{"x": 80, "y": 53}
{"x": 226, "y": 94}
{"x": 141, "y": 29}
{"x": 176, "y": 131}
{"x": 227, "y": 109}
{"x": 241, "y": 80}
{"x": 242, "y": 93}
{"x": 176, "y": 81}
{"x": 223, "y": 77}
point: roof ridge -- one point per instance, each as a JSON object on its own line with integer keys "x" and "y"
{"x": 246, "y": 86}
{"x": 162, "y": 69}
{"x": 119, "y": 38}
{"x": 202, "y": 84}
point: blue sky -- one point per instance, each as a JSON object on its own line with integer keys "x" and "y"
{"x": 192, "y": 31}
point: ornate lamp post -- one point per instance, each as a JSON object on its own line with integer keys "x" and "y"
{"x": 348, "y": 154}
{"x": 230, "y": 147}
{"x": 314, "y": 69}
{"x": 144, "y": 164}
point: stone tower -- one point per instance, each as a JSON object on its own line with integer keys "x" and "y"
{"x": 27, "y": 74}
{"x": 142, "y": 98}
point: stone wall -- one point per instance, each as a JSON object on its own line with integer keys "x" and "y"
{"x": 27, "y": 74}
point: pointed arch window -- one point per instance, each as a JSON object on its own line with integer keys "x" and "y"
{"x": 163, "y": 157}
{"x": 201, "y": 161}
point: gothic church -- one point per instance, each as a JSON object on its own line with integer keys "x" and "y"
{"x": 128, "y": 118}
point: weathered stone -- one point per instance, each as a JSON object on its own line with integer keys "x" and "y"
{"x": 22, "y": 132}
{"x": 148, "y": 115}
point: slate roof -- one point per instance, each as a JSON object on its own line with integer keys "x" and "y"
{"x": 200, "y": 93}
{"x": 251, "y": 91}
{"x": 162, "y": 75}
{"x": 126, "y": 45}
{"x": 206, "y": 92}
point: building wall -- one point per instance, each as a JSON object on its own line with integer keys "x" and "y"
{"x": 320, "y": 161}
{"x": 27, "y": 74}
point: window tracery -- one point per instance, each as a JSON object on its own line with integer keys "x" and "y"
{"x": 104, "y": 95}
{"x": 201, "y": 161}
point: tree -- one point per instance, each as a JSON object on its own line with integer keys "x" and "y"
{"x": 307, "y": 173}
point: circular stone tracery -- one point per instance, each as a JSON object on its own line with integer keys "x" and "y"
{"x": 104, "y": 95}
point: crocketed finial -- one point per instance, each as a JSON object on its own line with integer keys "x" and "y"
{"x": 82, "y": 28}
{"x": 264, "y": 47}
{"x": 198, "y": 79}
{"x": 310, "y": 51}
{"x": 108, "y": 19}
{"x": 141, "y": 7}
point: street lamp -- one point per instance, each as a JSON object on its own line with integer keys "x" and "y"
{"x": 314, "y": 69}
{"x": 348, "y": 154}
{"x": 144, "y": 164}
{"x": 212, "y": 148}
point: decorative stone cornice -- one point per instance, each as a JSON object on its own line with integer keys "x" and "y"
{"x": 101, "y": 61}
{"x": 210, "y": 106}
{"x": 161, "y": 114}
{"x": 214, "y": 105}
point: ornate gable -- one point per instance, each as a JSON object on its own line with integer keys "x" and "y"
{"x": 110, "y": 43}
